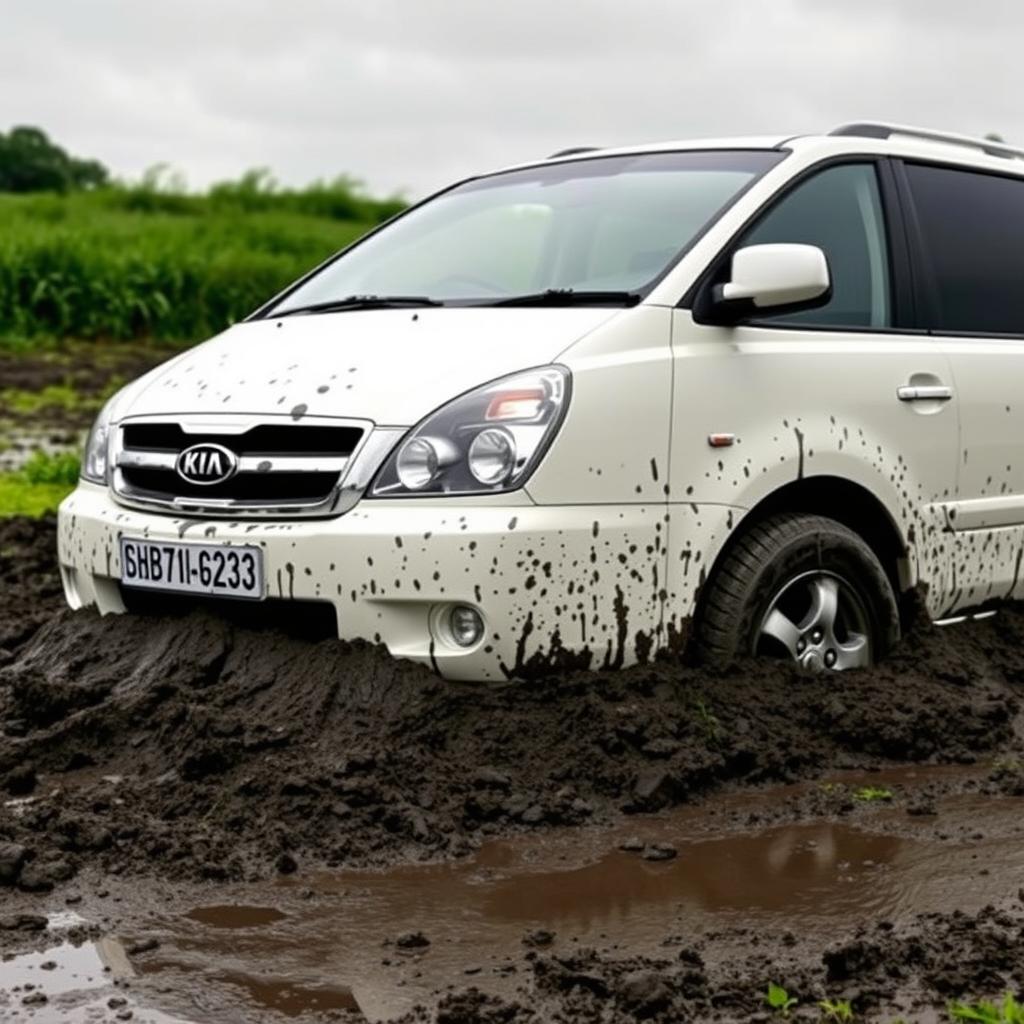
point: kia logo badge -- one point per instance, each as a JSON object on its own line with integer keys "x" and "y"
{"x": 206, "y": 464}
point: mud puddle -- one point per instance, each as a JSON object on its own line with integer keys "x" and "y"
{"x": 361, "y": 945}
{"x": 18, "y": 445}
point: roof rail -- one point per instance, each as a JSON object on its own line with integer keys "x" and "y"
{"x": 882, "y": 130}
{"x": 572, "y": 151}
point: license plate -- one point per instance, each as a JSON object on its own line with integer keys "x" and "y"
{"x": 192, "y": 568}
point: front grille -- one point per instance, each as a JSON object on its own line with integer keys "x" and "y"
{"x": 282, "y": 467}
{"x": 266, "y": 439}
{"x": 276, "y": 487}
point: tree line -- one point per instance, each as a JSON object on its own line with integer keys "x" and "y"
{"x": 31, "y": 162}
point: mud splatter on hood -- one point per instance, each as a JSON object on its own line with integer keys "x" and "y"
{"x": 390, "y": 366}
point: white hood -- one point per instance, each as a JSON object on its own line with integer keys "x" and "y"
{"x": 390, "y": 366}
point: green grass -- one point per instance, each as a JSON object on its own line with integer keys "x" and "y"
{"x": 149, "y": 262}
{"x": 836, "y": 1011}
{"x": 55, "y": 396}
{"x": 779, "y": 1000}
{"x": 39, "y": 487}
{"x": 1009, "y": 1011}
{"x": 710, "y": 724}
{"x": 840, "y": 1011}
{"x": 872, "y": 794}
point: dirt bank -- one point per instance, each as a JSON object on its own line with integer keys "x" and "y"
{"x": 192, "y": 747}
{"x": 30, "y": 592}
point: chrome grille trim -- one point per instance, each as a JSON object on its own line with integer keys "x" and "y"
{"x": 353, "y": 472}
{"x": 246, "y": 463}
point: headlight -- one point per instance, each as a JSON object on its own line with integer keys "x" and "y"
{"x": 492, "y": 456}
{"x": 486, "y": 441}
{"x": 95, "y": 466}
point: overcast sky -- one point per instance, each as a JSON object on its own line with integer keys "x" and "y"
{"x": 410, "y": 94}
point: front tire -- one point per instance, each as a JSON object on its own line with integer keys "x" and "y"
{"x": 799, "y": 587}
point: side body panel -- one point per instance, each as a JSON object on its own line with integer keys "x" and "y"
{"x": 808, "y": 403}
{"x": 987, "y": 517}
{"x": 965, "y": 227}
{"x": 612, "y": 453}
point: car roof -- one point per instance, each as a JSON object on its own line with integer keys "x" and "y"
{"x": 865, "y": 137}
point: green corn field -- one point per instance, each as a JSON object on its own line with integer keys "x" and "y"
{"x": 149, "y": 262}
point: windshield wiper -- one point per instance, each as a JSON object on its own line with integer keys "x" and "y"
{"x": 568, "y": 297}
{"x": 359, "y": 302}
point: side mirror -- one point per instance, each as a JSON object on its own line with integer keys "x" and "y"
{"x": 780, "y": 277}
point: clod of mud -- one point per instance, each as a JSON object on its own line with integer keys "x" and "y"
{"x": 193, "y": 747}
{"x": 884, "y": 971}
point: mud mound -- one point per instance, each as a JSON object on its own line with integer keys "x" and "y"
{"x": 29, "y": 587}
{"x": 194, "y": 747}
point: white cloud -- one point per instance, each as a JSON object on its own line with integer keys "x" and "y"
{"x": 412, "y": 93}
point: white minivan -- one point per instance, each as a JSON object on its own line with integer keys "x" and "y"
{"x": 744, "y": 393}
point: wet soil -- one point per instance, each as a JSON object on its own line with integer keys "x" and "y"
{"x": 79, "y": 377}
{"x": 151, "y": 756}
{"x": 91, "y": 371}
{"x": 30, "y": 591}
{"x": 573, "y": 926}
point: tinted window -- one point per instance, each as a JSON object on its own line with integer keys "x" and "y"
{"x": 972, "y": 226}
{"x": 838, "y": 210}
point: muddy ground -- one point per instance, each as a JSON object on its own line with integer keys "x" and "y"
{"x": 190, "y": 751}
{"x": 49, "y": 398}
{"x": 89, "y": 371}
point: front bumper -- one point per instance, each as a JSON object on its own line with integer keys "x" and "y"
{"x": 557, "y": 586}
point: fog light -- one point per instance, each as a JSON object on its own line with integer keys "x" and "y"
{"x": 466, "y": 624}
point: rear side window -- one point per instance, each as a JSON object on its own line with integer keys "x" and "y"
{"x": 972, "y": 228}
{"x": 840, "y": 211}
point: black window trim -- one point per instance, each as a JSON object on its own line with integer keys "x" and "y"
{"x": 926, "y": 285}
{"x": 903, "y": 294}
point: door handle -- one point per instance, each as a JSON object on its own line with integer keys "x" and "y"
{"x": 924, "y": 393}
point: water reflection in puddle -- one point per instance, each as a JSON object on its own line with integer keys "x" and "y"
{"x": 476, "y": 915}
{"x": 277, "y": 948}
{"x": 291, "y": 999}
{"x": 234, "y": 916}
{"x": 72, "y": 983}
{"x": 17, "y": 446}
{"x": 61, "y": 969}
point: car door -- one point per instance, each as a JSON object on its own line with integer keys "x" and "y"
{"x": 968, "y": 231}
{"x": 837, "y": 403}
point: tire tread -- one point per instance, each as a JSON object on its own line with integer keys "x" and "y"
{"x": 730, "y": 590}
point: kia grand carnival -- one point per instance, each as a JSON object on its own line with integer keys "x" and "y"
{"x": 750, "y": 391}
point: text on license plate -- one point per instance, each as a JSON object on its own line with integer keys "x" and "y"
{"x": 192, "y": 568}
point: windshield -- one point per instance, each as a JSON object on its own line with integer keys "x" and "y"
{"x": 607, "y": 224}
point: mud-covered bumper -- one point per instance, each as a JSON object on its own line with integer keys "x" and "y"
{"x": 557, "y": 586}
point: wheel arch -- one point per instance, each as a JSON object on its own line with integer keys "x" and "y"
{"x": 836, "y": 498}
